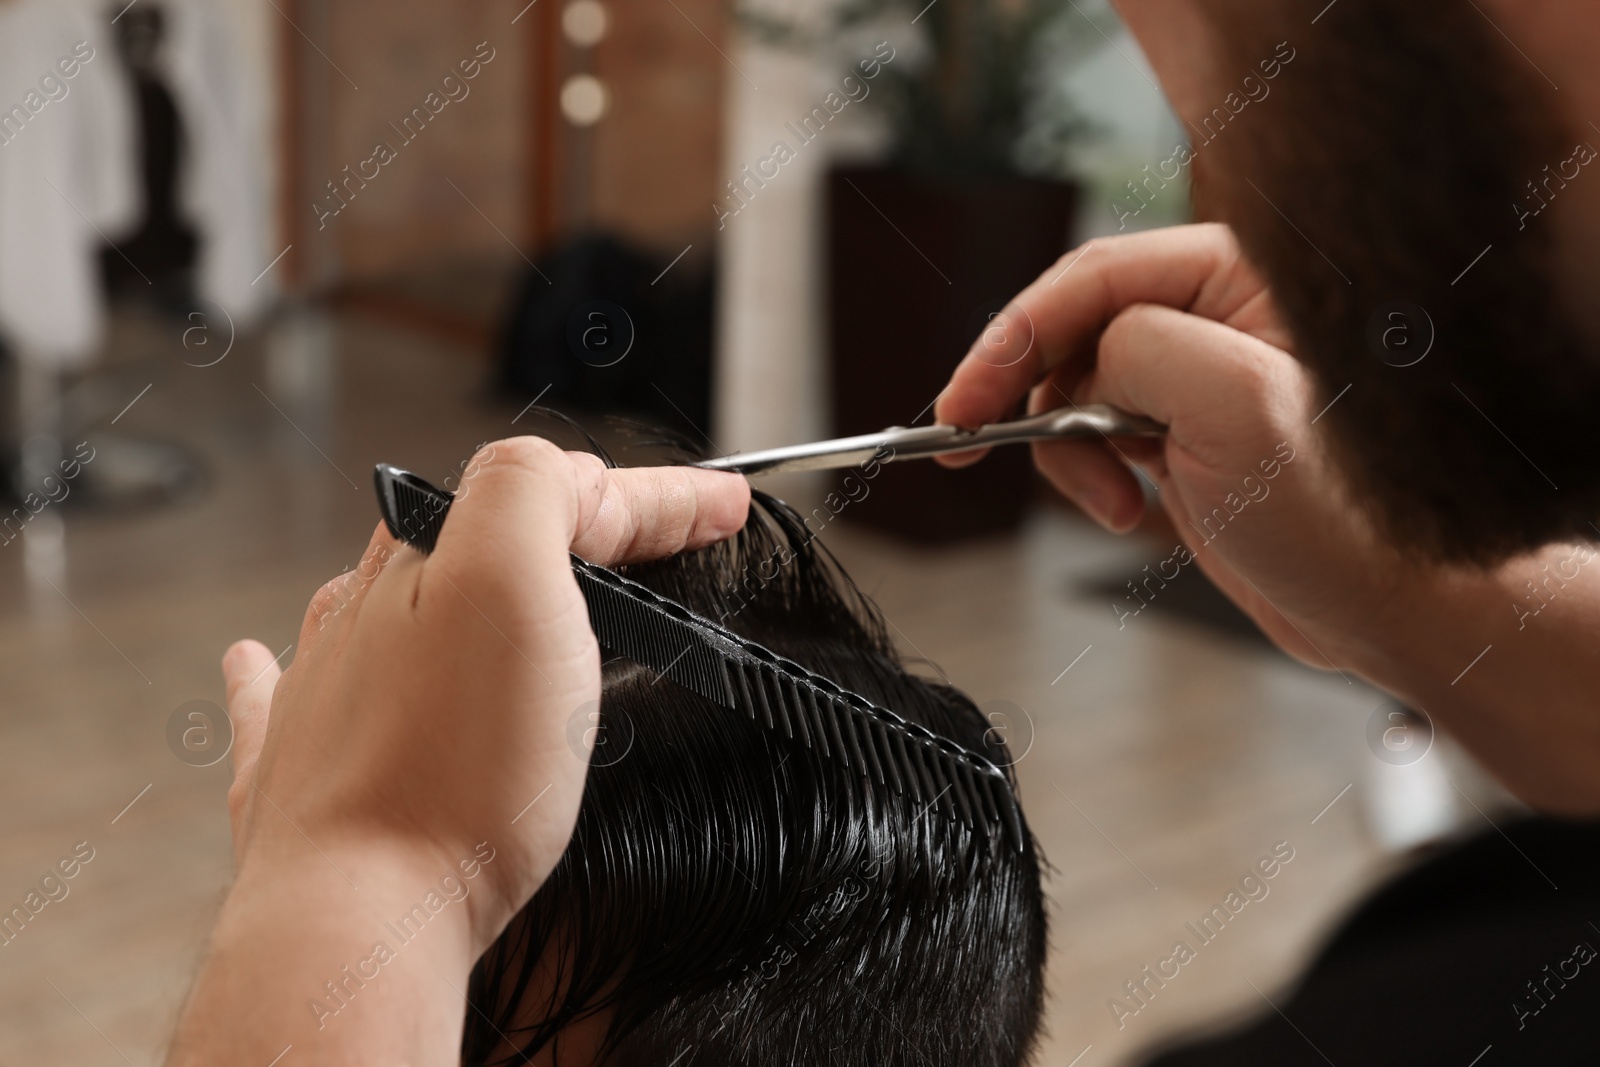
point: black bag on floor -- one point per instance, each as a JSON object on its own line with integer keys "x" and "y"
{"x": 598, "y": 327}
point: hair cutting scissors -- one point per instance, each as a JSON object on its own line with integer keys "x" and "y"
{"x": 899, "y": 442}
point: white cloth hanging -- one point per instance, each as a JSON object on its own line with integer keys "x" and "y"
{"x": 66, "y": 174}
{"x": 69, "y": 169}
{"x": 217, "y": 58}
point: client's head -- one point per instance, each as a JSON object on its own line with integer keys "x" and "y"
{"x": 731, "y": 896}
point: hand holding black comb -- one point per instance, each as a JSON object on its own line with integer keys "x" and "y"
{"x": 885, "y": 750}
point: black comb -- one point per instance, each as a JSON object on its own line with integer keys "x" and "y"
{"x": 741, "y": 675}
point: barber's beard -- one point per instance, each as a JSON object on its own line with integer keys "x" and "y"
{"x": 1388, "y": 172}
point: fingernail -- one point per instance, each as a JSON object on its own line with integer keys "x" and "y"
{"x": 233, "y": 659}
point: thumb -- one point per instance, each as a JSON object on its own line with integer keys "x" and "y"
{"x": 251, "y": 672}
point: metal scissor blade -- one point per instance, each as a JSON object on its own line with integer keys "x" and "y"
{"x": 898, "y": 443}
{"x": 885, "y": 446}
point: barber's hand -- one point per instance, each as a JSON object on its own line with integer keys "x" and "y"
{"x": 1174, "y": 324}
{"x": 428, "y": 705}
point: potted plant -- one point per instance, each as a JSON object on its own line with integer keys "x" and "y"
{"x": 971, "y": 200}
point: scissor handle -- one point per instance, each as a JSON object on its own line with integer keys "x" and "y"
{"x": 1087, "y": 420}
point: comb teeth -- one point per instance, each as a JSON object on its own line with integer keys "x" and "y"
{"x": 886, "y": 752}
{"x": 653, "y": 636}
{"x": 794, "y": 700}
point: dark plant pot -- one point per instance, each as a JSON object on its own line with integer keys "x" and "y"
{"x": 916, "y": 266}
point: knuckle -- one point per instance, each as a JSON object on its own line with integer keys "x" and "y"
{"x": 1220, "y": 232}
{"x": 519, "y": 462}
{"x": 1257, "y": 375}
{"x": 660, "y": 507}
{"x": 329, "y": 598}
{"x": 1071, "y": 256}
{"x": 532, "y": 453}
{"x": 664, "y": 515}
{"x": 589, "y": 470}
{"x": 238, "y": 794}
{"x": 1124, "y": 329}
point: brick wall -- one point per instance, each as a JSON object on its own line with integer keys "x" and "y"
{"x": 649, "y": 169}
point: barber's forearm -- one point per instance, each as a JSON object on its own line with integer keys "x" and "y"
{"x": 1513, "y": 673}
{"x": 295, "y": 960}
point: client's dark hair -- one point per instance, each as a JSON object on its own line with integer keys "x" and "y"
{"x": 732, "y": 897}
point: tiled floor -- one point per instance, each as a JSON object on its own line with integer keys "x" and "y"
{"x": 1163, "y": 763}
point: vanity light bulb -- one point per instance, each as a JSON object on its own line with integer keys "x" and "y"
{"x": 585, "y": 22}
{"x": 583, "y": 99}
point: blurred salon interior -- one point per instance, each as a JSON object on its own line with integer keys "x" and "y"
{"x": 251, "y": 248}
